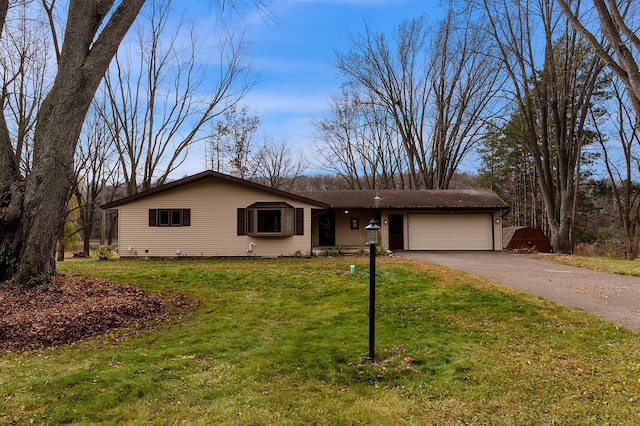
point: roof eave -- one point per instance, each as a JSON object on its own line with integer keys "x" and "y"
{"x": 204, "y": 175}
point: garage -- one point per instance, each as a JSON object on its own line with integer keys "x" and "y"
{"x": 436, "y": 219}
{"x": 450, "y": 231}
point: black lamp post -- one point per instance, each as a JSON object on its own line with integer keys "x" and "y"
{"x": 372, "y": 240}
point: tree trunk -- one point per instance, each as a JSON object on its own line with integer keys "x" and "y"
{"x": 28, "y": 241}
{"x": 86, "y": 241}
{"x": 561, "y": 238}
{"x": 60, "y": 245}
{"x": 635, "y": 240}
{"x": 45, "y": 204}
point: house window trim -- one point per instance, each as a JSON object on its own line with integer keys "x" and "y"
{"x": 175, "y": 218}
{"x": 286, "y": 222}
{"x": 291, "y": 220}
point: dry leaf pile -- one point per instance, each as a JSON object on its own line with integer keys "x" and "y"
{"x": 70, "y": 309}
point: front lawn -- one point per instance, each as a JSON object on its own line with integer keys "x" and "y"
{"x": 285, "y": 342}
{"x": 606, "y": 264}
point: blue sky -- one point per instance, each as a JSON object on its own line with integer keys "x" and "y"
{"x": 295, "y": 56}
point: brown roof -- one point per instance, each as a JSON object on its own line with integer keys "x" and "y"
{"x": 352, "y": 199}
{"x": 206, "y": 175}
{"x": 409, "y": 199}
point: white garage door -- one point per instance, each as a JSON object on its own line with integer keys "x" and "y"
{"x": 450, "y": 232}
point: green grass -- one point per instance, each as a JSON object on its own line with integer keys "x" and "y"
{"x": 606, "y": 264}
{"x": 285, "y": 342}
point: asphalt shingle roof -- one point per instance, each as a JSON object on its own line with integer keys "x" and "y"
{"x": 409, "y": 199}
{"x": 353, "y": 199}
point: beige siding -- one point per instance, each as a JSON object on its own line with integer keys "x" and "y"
{"x": 497, "y": 231}
{"x": 213, "y": 230}
{"x": 345, "y": 236}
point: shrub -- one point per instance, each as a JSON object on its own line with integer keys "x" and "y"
{"x": 103, "y": 253}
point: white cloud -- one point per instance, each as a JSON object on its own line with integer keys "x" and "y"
{"x": 269, "y": 102}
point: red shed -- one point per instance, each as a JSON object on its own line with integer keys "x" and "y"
{"x": 525, "y": 238}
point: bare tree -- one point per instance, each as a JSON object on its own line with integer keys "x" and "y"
{"x": 158, "y": 105}
{"x": 339, "y": 145}
{"x": 623, "y": 172}
{"x": 554, "y": 79}
{"x": 359, "y": 143}
{"x": 231, "y": 142}
{"x": 9, "y": 163}
{"x": 464, "y": 80}
{"x": 94, "y": 158}
{"x": 619, "y": 47}
{"x": 438, "y": 97}
{"x": 276, "y": 165}
{"x": 25, "y": 57}
{"x": 396, "y": 75}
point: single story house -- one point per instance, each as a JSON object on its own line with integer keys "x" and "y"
{"x": 214, "y": 214}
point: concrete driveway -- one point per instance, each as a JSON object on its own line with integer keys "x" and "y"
{"x": 611, "y": 296}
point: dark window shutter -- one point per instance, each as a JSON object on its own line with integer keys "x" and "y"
{"x": 299, "y": 221}
{"x": 242, "y": 219}
{"x": 186, "y": 217}
{"x": 153, "y": 217}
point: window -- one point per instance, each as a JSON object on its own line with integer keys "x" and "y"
{"x": 169, "y": 217}
{"x": 163, "y": 218}
{"x": 271, "y": 219}
{"x": 276, "y": 219}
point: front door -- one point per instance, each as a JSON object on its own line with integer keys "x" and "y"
{"x": 327, "y": 235}
{"x": 396, "y": 234}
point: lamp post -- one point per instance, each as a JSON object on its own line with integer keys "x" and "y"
{"x": 372, "y": 239}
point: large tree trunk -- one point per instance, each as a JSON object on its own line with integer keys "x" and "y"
{"x": 47, "y": 193}
{"x": 28, "y": 239}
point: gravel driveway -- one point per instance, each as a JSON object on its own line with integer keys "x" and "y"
{"x": 611, "y": 296}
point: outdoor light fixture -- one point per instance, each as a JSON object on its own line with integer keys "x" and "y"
{"x": 372, "y": 232}
{"x": 372, "y": 239}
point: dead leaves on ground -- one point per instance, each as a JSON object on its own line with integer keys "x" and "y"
{"x": 74, "y": 308}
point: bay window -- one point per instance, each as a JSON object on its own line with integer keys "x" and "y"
{"x": 276, "y": 219}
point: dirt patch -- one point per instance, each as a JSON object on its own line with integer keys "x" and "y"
{"x": 69, "y": 309}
